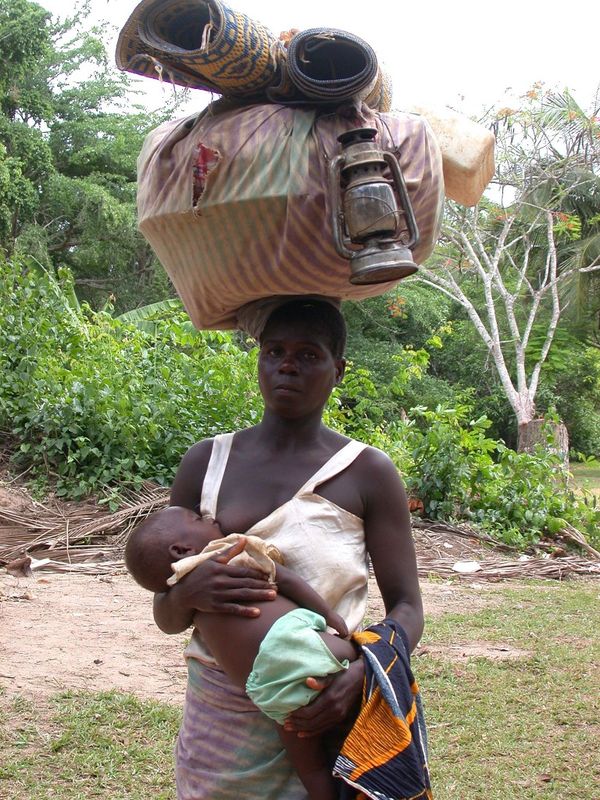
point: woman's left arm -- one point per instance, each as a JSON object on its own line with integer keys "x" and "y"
{"x": 390, "y": 546}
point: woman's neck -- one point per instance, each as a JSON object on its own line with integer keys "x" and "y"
{"x": 277, "y": 433}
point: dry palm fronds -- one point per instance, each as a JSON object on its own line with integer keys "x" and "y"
{"x": 84, "y": 538}
{"x": 573, "y": 535}
{"x": 499, "y": 568}
{"x": 83, "y": 553}
{"x": 69, "y": 528}
{"x": 83, "y": 568}
{"x": 121, "y": 522}
{"x": 502, "y": 569}
{"x": 439, "y": 527}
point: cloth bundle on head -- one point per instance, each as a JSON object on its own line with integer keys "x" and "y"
{"x": 201, "y": 44}
{"x": 235, "y": 202}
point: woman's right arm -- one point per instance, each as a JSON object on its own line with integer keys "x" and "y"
{"x": 215, "y": 585}
{"x": 171, "y": 613}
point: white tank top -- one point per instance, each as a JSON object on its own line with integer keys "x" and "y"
{"x": 320, "y": 541}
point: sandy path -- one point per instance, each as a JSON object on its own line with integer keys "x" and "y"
{"x": 78, "y": 632}
{"x": 96, "y": 633}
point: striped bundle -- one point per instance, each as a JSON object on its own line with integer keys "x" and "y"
{"x": 235, "y": 202}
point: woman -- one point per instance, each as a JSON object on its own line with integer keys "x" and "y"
{"x": 327, "y": 503}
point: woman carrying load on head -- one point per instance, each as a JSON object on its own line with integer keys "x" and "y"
{"x": 327, "y": 503}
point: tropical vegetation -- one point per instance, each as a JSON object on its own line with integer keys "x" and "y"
{"x": 104, "y": 383}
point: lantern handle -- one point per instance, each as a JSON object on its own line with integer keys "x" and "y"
{"x": 406, "y": 205}
{"x": 337, "y": 215}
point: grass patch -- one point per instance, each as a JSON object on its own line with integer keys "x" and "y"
{"x": 81, "y": 746}
{"x": 526, "y": 728}
{"x": 586, "y": 476}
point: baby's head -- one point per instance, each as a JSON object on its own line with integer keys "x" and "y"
{"x": 164, "y": 537}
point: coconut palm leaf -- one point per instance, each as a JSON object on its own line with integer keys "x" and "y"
{"x": 577, "y": 128}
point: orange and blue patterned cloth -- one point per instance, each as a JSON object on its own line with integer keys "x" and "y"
{"x": 384, "y": 756}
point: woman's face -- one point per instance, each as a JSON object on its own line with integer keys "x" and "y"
{"x": 296, "y": 369}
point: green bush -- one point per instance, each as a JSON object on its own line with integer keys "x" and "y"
{"x": 93, "y": 402}
{"x": 583, "y": 418}
{"x": 459, "y": 473}
{"x": 90, "y": 403}
{"x": 450, "y": 456}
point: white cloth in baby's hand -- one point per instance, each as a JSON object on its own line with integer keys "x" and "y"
{"x": 257, "y": 554}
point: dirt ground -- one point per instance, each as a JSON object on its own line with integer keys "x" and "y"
{"x": 61, "y": 632}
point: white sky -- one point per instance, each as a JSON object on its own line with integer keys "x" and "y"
{"x": 469, "y": 54}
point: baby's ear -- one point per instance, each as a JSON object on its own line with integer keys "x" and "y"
{"x": 177, "y": 551}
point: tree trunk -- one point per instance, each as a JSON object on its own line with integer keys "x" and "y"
{"x": 536, "y": 432}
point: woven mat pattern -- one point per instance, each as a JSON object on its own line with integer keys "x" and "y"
{"x": 202, "y": 44}
{"x": 205, "y": 44}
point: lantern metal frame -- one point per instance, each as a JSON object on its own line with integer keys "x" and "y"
{"x": 357, "y": 186}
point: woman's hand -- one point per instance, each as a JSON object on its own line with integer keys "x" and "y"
{"x": 338, "y": 698}
{"x": 219, "y": 587}
{"x": 214, "y": 586}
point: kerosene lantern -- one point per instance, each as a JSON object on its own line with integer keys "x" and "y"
{"x": 368, "y": 227}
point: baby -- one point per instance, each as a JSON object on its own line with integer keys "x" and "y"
{"x": 275, "y": 652}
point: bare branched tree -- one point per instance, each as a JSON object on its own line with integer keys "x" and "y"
{"x": 513, "y": 251}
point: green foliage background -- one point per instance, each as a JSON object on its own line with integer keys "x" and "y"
{"x": 90, "y": 403}
{"x": 70, "y": 134}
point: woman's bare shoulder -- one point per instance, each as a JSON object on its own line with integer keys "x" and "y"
{"x": 198, "y": 453}
{"x": 378, "y": 475}
{"x": 187, "y": 485}
{"x": 372, "y": 458}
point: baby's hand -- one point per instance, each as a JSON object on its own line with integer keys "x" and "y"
{"x": 336, "y": 622}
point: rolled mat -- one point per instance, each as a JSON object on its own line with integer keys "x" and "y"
{"x": 331, "y": 65}
{"x": 380, "y": 96}
{"x": 201, "y": 44}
